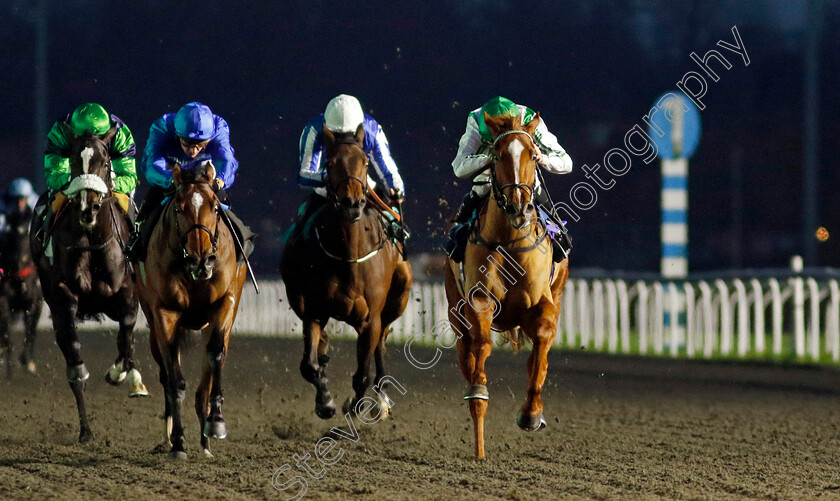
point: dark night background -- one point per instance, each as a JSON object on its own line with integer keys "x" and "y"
{"x": 592, "y": 69}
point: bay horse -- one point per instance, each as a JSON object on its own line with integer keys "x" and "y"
{"x": 191, "y": 281}
{"x": 20, "y": 291}
{"x": 348, "y": 269}
{"x": 83, "y": 270}
{"x": 508, "y": 283}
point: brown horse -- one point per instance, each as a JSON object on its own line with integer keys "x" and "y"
{"x": 508, "y": 282}
{"x": 191, "y": 281}
{"x": 83, "y": 270}
{"x": 348, "y": 269}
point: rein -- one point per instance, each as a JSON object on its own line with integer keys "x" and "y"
{"x": 214, "y": 236}
{"x": 503, "y": 203}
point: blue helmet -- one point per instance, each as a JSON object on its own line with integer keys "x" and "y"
{"x": 20, "y": 188}
{"x": 195, "y": 121}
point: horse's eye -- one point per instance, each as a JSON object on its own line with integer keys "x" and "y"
{"x": 177, "y": 210}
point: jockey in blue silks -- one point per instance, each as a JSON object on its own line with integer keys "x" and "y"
{"x": 191, "y": 137}
{"x": 344, "y": 115}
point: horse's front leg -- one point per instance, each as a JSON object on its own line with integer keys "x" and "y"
{"x": 123, "y": 368}
{"x": 366, "y": 344}
{"x": 479, "y": 315}
{"x": 30, "y": 322}
{"x": 313, "y": 365}
{"x": 165, "y": 334}
{"x": 64, "y": 307}
{"x": 5, "y": 341}
{"x": 541, "y": 326}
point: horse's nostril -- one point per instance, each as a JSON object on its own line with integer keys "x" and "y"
{"x": 192, "y": 261}
{"x": 96, "y": 206}
{"x": 346, "y": 202}
{"x": 210, "y": 260}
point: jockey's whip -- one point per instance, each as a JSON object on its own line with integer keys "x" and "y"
{"x": 241, "y": 249}
{"x": 383, "y": 205}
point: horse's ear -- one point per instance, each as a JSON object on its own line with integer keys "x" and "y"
{"x": 106, "y": 138}
{"x": 531, "y": 126}
{"x": 329, "y": 137}
{"x": 176, "y": 175}
{"x": 494, "y": 124}
{"x": 360, "y": 134}
{"x": 209, "y": 172}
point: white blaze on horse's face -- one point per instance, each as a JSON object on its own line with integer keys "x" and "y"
{"x": 197, "y": 202}
{"x": 515, "y": 148}
{"x": 86, "y": 155}
{"x": 83, "y": 199}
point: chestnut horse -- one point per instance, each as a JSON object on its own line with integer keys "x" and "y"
{"x": 83, "y": 270}
{"x": 345, "y": 268}
{"x": 191, "y": 281}
{"x": 508, "y": 283}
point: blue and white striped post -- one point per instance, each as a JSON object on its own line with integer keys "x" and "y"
{"x": 675, "y": 128}
{"x": 674, "y": 218}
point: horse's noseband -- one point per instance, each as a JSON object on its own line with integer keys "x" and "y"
{"x": 499, "y": 190}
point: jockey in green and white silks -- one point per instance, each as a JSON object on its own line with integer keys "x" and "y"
{"x": 475, "y": 151}
{"x": 475, "y": 156}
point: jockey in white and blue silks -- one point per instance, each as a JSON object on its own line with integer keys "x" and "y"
{"x": 344, "y": 114}
{"x": 189, "y": 138}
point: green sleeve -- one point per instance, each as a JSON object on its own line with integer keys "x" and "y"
{"x": 125, "y": 168}
{"x": 126, "y": 172}
{"x": 56, "y": 158}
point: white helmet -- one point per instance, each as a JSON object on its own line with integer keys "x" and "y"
{"x": 343, "y": 114}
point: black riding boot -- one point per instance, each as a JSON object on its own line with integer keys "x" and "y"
{"x": 135, "y": 246}
{"x": 472, "y": 202}
{"x": 561, "y": 244}
{"x": 243, "y": 232}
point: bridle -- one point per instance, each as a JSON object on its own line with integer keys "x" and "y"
{"x": 183, "y": 235}
{"x": 499, "y": 191}
{"x": 331, "y": 189}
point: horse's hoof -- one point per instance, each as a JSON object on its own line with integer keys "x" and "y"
{"x": 30, "y": 367}
{"x": 136, "y": 388}
{"x": 178, "y": 455}
{"x": 325, "y": 411}
{"x": 205, "y": 453}
{"x": 477, "y": 392}
{"x": 85, "y": 436}
{"x": 348, "y": 407}
{"x": 528, "y": 423}
{"x": 77, "y": 374}
{"x": 115, "y": 375}
{"x": 384, "y": 408}
{"x": 215, "y": 428}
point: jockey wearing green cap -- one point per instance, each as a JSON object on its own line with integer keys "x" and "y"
{"x": 475, "y": 154}
{"x": 89, "y": 118}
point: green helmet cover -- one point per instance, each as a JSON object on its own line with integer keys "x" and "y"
{"x": 90, "y": 117}
{"x": 498, "y": 106}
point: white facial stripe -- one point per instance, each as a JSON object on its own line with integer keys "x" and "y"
{"x": 83, "y": 193}
{"x": 197, "y": 202}
{"x": 86, "y": 155}
{"x": 515, "y": 148}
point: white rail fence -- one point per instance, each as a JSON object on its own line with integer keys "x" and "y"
{"x": 796, "y": 317}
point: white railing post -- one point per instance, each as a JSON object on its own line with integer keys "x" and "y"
{"x": 624, "y": 313}
{"x": 743, "y": 317}
{"x": 689, "y": 319}
{"x": 612, "y": 311}
{"x": 658, "y": 318}
{"x": 776, "y": 295}
{"x": 758, "y": 313}
{"x": 814, "y": 323}
{"x": 642, "y": 316}
{"x": 598, "y": 313}
{"x": 569, "y": 312}
{"x": 833, "y": 321}
{"x": 725, "y": 317}
{"x": 583, "y": 314}
{"x": 674, "y": 318}
{"x": 709, "y": 334}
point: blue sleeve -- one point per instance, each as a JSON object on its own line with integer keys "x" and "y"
{"x": 154, "y": 157}
{"x": 224, "y": 161}
{"x": 380, "y": 155}
{"x": 311, "y": 150}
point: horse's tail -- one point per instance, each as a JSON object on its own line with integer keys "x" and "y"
{"x": 516, "y": 337}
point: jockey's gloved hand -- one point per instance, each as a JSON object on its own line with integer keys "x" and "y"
{"x": 218, "y": 185}
{"x": 396, "y": 195}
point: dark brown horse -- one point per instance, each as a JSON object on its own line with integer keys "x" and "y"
{"x": 20, "y": 291}
{"x": 83, "y": 270}
{"x": 348, "y": 269}
{"x": 191, "y": 281}
{"x": 508, "y": 282}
